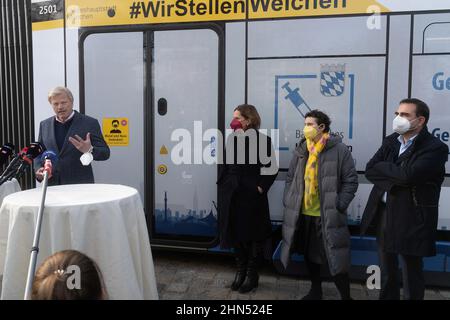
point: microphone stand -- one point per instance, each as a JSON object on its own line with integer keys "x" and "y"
{"x": 16, "y": 172}
{"x": 10, "y": 171}
{"x": 8, "y": 177}
{"x": 37, "y": 233}
{"x": 5, "y": 178}
{"x": 9, "y": 166}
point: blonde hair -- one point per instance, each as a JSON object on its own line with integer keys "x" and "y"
{"x": 250, "y": 113}
{"x": 58, "y": 91}
{"x": 50, "y": 282}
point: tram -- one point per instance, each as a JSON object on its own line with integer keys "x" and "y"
{"x": 160, "y": 74}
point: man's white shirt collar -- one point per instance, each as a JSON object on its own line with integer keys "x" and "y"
{"x": 70, "y": 117}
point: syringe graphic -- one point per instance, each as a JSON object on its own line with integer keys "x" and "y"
{"x": 296, "y": 99}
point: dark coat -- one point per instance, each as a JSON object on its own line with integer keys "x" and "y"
{"x": 413, "y": 184}
{"x": 338, "y": 182}
{"x": 69, "y": 169}
{"x": 243, "y": 211}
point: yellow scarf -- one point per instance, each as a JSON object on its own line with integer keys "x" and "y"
{"x": 312, "y": 169}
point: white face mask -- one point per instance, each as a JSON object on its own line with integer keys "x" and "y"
{"x": 401, "y": 125}
{"x": 86, "y": 158}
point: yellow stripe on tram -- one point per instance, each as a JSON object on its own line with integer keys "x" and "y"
{"x": 46, "y": 25}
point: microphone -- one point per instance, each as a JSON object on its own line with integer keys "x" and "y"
{"x": 5, "y": 152}
{"x": 21, "y": 161}
{"x": 12, "y": 166}
{"x": 34, "y": 150}
{"x": 49, "y": 158}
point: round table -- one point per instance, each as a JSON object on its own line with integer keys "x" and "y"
{"x": 7, "y": 188}
{"x": 104, "y": 221}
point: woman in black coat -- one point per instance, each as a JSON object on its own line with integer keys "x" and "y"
{"x": 245, "y": 179}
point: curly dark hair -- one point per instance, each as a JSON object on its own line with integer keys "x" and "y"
{"x": 321, "y": 118}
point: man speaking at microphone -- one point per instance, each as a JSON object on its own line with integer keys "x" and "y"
{"x": 75, "y": 138}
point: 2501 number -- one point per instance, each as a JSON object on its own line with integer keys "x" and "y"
{"x": 47, "y": 9}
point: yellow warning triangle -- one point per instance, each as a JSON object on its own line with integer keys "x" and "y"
{"x": 163, "y": 150}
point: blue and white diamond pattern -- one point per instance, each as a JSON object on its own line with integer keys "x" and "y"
{"x": 332, "y": 83}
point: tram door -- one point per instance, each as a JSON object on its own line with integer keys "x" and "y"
{"x": 162, "y": 87}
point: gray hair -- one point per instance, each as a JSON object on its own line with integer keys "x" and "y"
{"x": 58, "y": 91}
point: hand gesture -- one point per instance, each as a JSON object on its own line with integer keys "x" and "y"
{"x": 82, "y": 145}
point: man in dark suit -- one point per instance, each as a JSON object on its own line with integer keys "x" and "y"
{"x": 407, "y": 172}
{"x": 70, "y": 135}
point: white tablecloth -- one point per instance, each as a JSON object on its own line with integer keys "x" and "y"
{"x": 106, "y": 222}
{"x": 7, "y": 188}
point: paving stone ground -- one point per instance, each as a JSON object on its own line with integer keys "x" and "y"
{"x": 195, "y": 276}
{"x": 205, "y": 276}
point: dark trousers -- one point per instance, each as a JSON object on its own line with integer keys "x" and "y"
{"x": 311, "y": 245}
{"x": 251, "y": 252}
{"x": 412, "y": 268}
{"x": 342, "y": 281}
